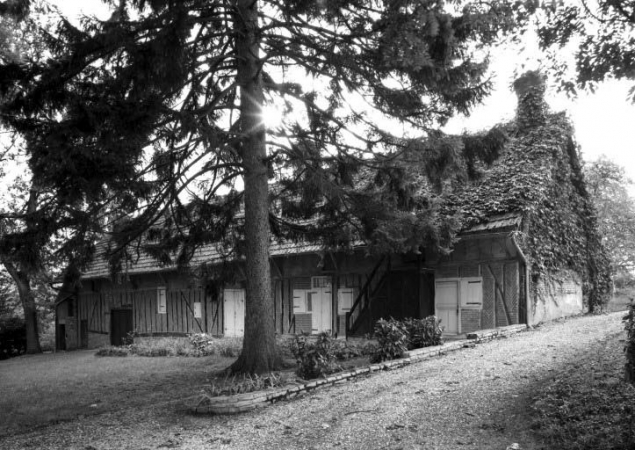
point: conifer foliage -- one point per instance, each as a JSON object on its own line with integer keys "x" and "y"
{"x": 159, "y": 112}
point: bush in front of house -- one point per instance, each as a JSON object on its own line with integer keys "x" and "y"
{"x": 629, "y": 348}
{"x": 112, "y": 350}
{"x": 423, "y": 332}
{"x": 315, "y": 356}
{"x": 244, "y": 383}
{"x": 206, "y": 345}
{"x": 12, "y": 337}
{"x": 392, "y": 339}
{"x": 395, "y": 337}
{"x": 162, "y": 346}
{"x": 194, "y": 345}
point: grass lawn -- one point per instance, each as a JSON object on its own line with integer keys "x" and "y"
{"x": 41, "y": 389}
{"x": 36, "y": 390}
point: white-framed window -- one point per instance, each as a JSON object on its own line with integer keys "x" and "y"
{"x": 162, "y": 302}
{"x": 345, "y": 298}
{"x": 303, "y": 301}
{"x": 472, "y": 292}
{"x": 299, "y": 301}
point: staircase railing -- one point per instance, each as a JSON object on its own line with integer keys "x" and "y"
{"x": 363, "y": 301}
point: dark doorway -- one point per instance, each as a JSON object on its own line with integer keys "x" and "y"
{"x": 61, "y": 337}
{"x": 120, "y": 326}
{"x": 426, "y": 299}
{"x": 83, "y": 334}
{"x": 398, "y": 297}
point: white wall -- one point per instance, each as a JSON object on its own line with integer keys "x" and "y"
{"x": 559, "y": 297}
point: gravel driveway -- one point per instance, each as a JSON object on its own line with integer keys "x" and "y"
{"x": 475, "y": 398}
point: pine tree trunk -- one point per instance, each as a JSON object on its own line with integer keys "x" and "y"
{"x": 28, "y": 305}
{"x": 259, "y": 345}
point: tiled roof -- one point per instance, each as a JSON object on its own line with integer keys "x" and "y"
{"x": 497, "y": 223}
{"x": 209, "y": 254}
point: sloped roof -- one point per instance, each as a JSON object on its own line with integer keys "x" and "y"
{"x": 505, "y": 222}
{"x": 520, "y": 177}
{"x": 538, "y": 160}
{"x": 532, "y": 164}
{"x": 209, "y": 254}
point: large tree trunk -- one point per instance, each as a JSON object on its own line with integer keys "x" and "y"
{"x": 28, "y": 305}
{"x": 259, "y": 345}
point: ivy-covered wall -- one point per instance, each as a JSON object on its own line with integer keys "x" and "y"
{"x": 538, "y": 176}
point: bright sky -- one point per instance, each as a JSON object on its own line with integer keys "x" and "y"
{"x": 602, "y": 120}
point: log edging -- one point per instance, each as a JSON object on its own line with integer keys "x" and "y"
{"x": 239, "y": 403}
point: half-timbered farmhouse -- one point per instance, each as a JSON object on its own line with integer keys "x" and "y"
{"x": 523, "y": 257}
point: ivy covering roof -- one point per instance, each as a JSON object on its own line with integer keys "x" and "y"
{"x": 538, "y": 178}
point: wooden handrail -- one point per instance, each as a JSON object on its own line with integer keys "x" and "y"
{"x": 365, "y": 295}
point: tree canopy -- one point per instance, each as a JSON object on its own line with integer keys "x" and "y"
{"x": 159, "y": 112}
{"x": 607, "y": 184}
{"x": 601, "y": 33}
{"x": 32, "y": 222}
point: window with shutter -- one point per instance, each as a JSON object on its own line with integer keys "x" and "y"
{"x": 299, "y": 301}
{"x": 344, "y": 300}
{"x": 472, "y": 292}
{"x": 162, "y": 306}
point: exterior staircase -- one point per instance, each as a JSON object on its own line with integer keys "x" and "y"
{"x": 360, "y": 319}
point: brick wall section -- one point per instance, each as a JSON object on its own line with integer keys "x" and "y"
{"x": 512, "y": 291}
{"x": 96, "y": 340}
{"x": 470, "y": 271}
{"x": 341, "y": 325}
{"x": 303, "y": 323}
{"x": 447, "y": 272}
{"x": 470, "y": 320}
{"x": 488, "y": 315}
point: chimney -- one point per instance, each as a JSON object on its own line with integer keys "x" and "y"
{"x": 532, "y": 109}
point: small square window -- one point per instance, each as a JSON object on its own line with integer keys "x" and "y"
{"x": 162, "y": 306}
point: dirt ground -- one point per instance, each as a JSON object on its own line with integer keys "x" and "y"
{"x": 476, "y": 398}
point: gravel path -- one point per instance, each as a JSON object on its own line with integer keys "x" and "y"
{"x": 476, "y": 398}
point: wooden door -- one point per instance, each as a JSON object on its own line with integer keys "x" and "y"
{"x": 61, "y": 337}
{"x": 446, "y": 300}
{"x": 83, "y": 334}
{"x": 120, "y": 326}
{"x": 321, "y": 317}
{"x": 234, "y": 312}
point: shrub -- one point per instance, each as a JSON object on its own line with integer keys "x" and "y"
{"x": 47, "y": 342}
{"x": 629, "y": 348}
{"x": 206, "y": 345}
{"x": 395, "y": 337}
{"x": 241, "y": 384}
{"x": 162, "y": 346}
{"x": 12, "y": 337}
{"x": 315, "y": 356}
{"x": 344, "y": 351}
{"x": 113, "y": 351}
{"x": 423, "y": 332}
{"x": 192, "y": 345}
{"x": 392, "y": 340}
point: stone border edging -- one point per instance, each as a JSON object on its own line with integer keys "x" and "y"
{"x": 235, "y": 404}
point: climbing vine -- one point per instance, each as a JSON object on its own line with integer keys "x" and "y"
{"x": 539, "y": 178}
